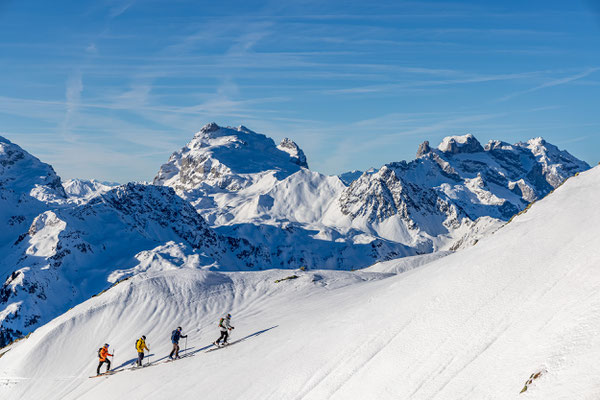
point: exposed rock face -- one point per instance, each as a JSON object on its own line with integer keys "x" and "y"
{"x": 295, "y": 152}
{"x": 423, "y": 149}
{"x": 460, "y": 179}
{"x": 460, "y": 144}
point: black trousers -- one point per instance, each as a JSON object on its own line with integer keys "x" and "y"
{"x": 224, "y": 336}
{"x": 107, "y": 361}
{"x": 140, "y": 358}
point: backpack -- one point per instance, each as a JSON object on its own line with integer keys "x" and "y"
{"x": 136, "y": 343}
{"x": 221, "y": 323}
{"x": 99, "y": 350}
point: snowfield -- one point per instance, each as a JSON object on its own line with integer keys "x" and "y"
{"x": 475, "y": 324}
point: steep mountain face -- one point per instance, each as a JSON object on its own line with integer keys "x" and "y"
{"x": 457, "y": 183}
{"x": 22, "y": 173}
{"x": 296, "y": 154}
{"x": 27, "y": 187}
{"x": 71, "y": 253}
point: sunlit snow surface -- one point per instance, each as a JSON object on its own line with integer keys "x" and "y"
{"x": 473, "y": 325}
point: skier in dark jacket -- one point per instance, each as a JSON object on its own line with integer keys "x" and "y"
{"x": 175, "y": 336}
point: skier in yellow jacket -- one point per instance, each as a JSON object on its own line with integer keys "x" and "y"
{"x": 140, "y": 345}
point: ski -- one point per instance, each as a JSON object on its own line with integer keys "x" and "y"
{"x": 107, "y": 373}
{"x": 180, "y": 357}
{"x": 139, "y": 367}
{"x": 217, "y": 347}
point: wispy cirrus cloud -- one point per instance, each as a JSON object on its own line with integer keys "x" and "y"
{"x": 455, "y": 78}
{"x": 551, "y": 83}
{"x": 74, "y": 87}
{"x": 120, "y": 8}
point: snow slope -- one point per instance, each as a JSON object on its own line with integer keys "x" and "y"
{"x": 473, "y": 325}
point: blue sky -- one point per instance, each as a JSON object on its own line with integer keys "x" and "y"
{"x": 109, "y": 89}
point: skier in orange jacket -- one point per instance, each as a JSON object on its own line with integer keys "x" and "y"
{"x": 103, "y": 356}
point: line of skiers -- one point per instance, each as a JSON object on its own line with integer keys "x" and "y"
{"x": 176, "y": 335}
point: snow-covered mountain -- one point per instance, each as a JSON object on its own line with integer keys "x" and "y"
{"x": 520, "y": 308}
{"x": 23, "y": 174}
{"x": 246, "y": 186}
{"x": 447, "y": 198}
{"x": 82, "y": 190}
{"x": 431, "y": 198}
{"x": 70, "y": 253}
{"x": 67, "y": 245}
{"x": 27, "y": 188}
{"x": 61, "y": 245}
{"x": 228, "y": 158}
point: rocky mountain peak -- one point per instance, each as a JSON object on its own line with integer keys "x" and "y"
{"x": 228, "y": 158}
{"x": 295, "y": 152}
{"x": 210, "y": 127}
{"x": 25, "y": 174}
{"x": 538, "y": 141}
{"x": 497, "y": 145}
{"x": 460, "y": 144}
{"x": 423, "y": 149}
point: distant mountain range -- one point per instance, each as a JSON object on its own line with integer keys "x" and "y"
{"x": 232, "y": 199}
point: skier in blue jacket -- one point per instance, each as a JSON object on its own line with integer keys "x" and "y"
{"x": 175, "y": 336}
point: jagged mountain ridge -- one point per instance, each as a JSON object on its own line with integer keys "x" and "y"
{"x": 447, "y": 198}
{"x": 459, "y": 180}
